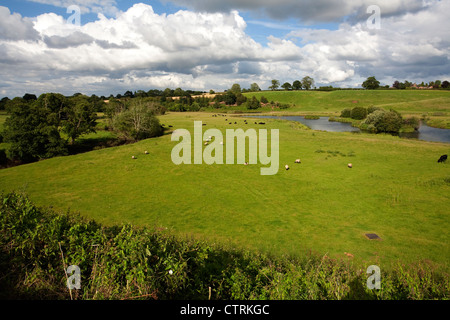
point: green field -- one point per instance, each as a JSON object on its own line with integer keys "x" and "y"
{"x": 396, "y": 188}
{"x": 433, "y": 106}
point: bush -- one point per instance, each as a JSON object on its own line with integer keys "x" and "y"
{"x": 372, "y": 109}
{"x": 253, "y": 104}
{"x": 346, "y": 113}
{"x": 359, "y": 113}
{"x": 384, "y": 121}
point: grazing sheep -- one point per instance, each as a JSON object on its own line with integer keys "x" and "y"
{"x": 287, "y": 167}
{"x": 206, "y": 143}
{"x": 245, "y": 163}
{"x": 298, "y": 161}
{"x": 133, "y": 157}
{"x": 221, "y": 142}
{"x": 146, "y": 152}
{"x": 443, "y": 158}
{"x": 350, "y": 165}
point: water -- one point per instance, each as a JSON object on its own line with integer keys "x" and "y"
{"x": 424, "y": 133}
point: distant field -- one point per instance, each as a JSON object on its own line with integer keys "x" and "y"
{"x": 396, "y": 189}
{"x": 433, "y": 104}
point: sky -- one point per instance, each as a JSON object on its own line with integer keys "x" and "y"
{"x": 108, "y": 47}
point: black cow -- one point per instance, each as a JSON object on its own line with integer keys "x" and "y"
{"x": 442, "y": 158}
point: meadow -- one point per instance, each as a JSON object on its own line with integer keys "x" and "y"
{"x": 395, "y": 189}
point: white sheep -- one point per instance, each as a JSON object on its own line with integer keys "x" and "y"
{"x": 133, "y": 157}
{"x": 287, "y": 167}
{"x": 350, "y": 165}
{"x": 146, "y": 152}
{"x": 298, "y": 161}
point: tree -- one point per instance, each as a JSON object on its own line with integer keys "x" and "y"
{"x": 254, "y": 87}
{"x": 137, "y": 122}
{"x": 307, "y": 82}
{"x": 32, "y": 133}
{"x": 287, "y": 86}
{"x": 253, "y": 104}
{"x": 240, "y": 99}
{"x": 275, "y": 85}
{"x": 371, "y": 83}
{"x": 236, "y": 88}
{"x": 445, "y": 84}
{"x": 297, "y": 85}
{"x": 80, "y": 118}
{"x": 29, "y": 97}
{"x": 3, "y": 103}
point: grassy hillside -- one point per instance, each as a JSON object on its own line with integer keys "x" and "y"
{"x": 396, "y": 189}
{"x": 434, "y": 105}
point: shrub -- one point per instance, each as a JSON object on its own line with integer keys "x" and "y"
{"x": 384, "y": 121}
{"x": 253, "y": 104}
{"x": 346, "y": 113}
{"x": 372, "y": 109}
{"x": 359, "y": 113}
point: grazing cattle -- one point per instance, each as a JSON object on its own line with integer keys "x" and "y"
{"x": 443, "y": 158}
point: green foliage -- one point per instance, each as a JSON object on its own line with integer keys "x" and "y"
{"x": 371, "y": 83}
{"x": 32, "y": 129}
{"x": 137, "y": 122}
{"x": 124, "y": 262}
{"x": 384, "y": 121}
{"x": 307, "y": 82}
{"x": 346, "y": 113}
{"x": 358, "y": 113}
{"x": 253, "y": 104}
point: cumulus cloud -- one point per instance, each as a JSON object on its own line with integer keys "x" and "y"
{"x": 15, "y": 27}
{"x": 140, "y": 49}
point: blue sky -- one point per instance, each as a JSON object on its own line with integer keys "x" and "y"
{"x": 211, "y": 44}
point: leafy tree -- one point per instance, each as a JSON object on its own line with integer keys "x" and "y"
{"x": 229, "y": 98}
{"x": 80, "y": 118}
{"x": 297, "y": 85}
{"x": 3, "y": 103}
{"x": 253, "y": 104}
{"x": 29, "y": 97}
{"x": 236, "y": 88}
{"x": 240, "y": 99}
{"x": 137, "y": 122}
{"x": 275, "y": 85}
{"x": 287, "y": 86}
{"x": 254, "y": 87}
{"x": 371, "y": 83}
{"x": 445, "y": 84}
{"x": 307, "y": 82}
{"x": 264, "y": 100}
{"x": 31, "y": 131}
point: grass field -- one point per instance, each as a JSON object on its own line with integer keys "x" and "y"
{"x": 396, "y": 189}
{"x": 432, "y": 105}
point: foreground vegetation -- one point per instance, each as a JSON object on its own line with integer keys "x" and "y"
{"x": 124, "y": 262}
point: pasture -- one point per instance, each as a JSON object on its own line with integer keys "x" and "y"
{"x": 396, "y": 189}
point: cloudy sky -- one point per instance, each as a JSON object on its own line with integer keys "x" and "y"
{"x": 107, "y": 47}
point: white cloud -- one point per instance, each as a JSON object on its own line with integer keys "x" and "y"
{"x": 139, "y": 49}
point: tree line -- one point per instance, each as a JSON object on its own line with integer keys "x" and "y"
{"x": 49, "y": 125}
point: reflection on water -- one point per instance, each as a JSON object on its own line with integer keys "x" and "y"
{"x": 425, "y": 132}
